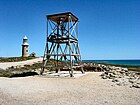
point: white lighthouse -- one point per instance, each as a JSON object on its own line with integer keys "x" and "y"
{"x": 25, "y": 46}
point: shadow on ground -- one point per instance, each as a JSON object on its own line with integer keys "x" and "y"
{"x": 24, "y": 74}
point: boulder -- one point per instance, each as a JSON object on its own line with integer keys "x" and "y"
{"x": 136, "y": 85}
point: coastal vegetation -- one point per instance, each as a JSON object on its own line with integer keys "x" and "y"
{"x": 34, "y": 69}
{"x": 15, "y": 59}
{"x": 18, "y": 71}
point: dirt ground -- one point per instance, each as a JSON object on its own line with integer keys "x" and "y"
{"x": 89, "y": 89}
{"x": 5, "y": 65}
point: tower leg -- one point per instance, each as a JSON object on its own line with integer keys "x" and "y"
{"x": 71, "y": 73}
{"x": 82, "y": 70}
{"x": 57, "y": 70}
{"x": 43, "y": 66}
{"x": 42, "y": 70}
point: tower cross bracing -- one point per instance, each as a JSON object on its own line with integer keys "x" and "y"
{"x": 62, "y": 43}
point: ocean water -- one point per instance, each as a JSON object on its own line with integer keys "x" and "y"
{"x": 120, "y": 62}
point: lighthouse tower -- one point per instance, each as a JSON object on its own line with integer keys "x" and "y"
{"x": 25, "y": 46}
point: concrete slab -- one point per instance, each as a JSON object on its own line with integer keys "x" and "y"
{"x": 63, "y": 74}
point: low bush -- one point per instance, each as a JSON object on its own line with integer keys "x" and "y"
{"x": 15, "y": 59}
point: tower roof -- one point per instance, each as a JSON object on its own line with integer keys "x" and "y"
{"x": 56, "y": 17}
{"x": 25, "y": 37}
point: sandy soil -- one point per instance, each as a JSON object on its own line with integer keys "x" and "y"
{"x": 89, "y": 89}
{"x": 21, "y": 63}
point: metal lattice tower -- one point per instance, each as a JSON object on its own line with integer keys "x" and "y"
{"x": 62, "y": 43}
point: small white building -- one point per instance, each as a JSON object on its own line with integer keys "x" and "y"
{"x": 25, "y": 46}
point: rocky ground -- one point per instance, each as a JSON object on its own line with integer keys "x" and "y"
{"x": 119, "y": 75}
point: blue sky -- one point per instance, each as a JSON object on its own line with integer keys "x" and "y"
{"x": 108, "y": 29}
